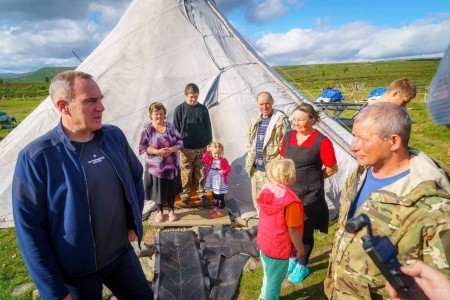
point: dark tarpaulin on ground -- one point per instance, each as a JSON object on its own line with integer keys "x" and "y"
{"x": 186, "y": 266}
{"x": 179, "y": 268}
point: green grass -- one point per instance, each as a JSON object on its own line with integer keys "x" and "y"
{"x": 356, "y": 80}
{"x": 19, "y": 109}
{"x": 19, "y": 99}
{"x": 43, "y": 74}
{"x": 251, "y": 281}
{"x": 13, "y": 271}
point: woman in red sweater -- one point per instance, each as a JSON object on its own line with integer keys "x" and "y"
{"x": 314, "y": 158}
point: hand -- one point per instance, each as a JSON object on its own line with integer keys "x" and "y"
{"x": 434, "y": 284}
{"x": 131, "y": 235}
{"x": 221, "y": 171}
{"x": 164, "y": 152}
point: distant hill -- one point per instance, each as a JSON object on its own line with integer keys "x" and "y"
{"x": 39, "y": 75}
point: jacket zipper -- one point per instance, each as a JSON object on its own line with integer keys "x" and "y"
{"x": 89, "y": 208}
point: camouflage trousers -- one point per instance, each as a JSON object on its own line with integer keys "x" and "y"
{"x": 192, "y": 171}
{"x": 258, "y": 179}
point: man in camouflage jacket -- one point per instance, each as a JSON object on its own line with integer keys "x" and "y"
{"x": 413, "y": 211}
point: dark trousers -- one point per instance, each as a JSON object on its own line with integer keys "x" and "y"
{"x": 308, "y": 241}
{"x": 124, "y": 277}
{"x": 219, "y": 200}
{"x": 310, "y": 220}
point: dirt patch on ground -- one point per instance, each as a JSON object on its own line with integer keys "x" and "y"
{"x": 150, "y": 235}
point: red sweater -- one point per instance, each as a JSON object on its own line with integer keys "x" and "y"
{"x": 327, "y": 154}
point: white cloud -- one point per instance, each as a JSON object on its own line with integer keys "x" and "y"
{"x": 357, "y": 41}
{"x": 32, "y": 37}
{"x": 259, "y": 11}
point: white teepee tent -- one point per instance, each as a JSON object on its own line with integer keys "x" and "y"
{"x": 154, "y": 51}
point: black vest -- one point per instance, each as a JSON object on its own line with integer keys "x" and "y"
{"x": 308, "y": 169}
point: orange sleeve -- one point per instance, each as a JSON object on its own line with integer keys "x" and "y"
{"x": 294, "y": 215}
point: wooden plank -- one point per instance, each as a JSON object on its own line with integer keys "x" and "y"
{"x": 188, "y": 217}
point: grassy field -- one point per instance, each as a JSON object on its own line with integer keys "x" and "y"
{"x": 43, "y": 74}
{"x": 355, "y": 81}
{"x": 310, "y": 288}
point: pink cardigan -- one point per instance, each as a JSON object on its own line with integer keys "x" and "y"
{"x": 224, "y": 165}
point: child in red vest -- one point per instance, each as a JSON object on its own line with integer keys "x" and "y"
{"x": 217, "y": 169}
{"x": 280, "y": 227}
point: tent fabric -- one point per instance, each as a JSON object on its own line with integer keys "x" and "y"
{"x": 158, "y": 47}
{"x": 330, "y": 95}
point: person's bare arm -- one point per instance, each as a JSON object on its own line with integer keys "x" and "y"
{"x": 296, "y": 239}
{"x": 328, "y": 171}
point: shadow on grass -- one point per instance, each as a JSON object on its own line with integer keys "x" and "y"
{"x": 312, "y": 288}
{"x": 324, "y": 256}
{"x": 314, "y": 291}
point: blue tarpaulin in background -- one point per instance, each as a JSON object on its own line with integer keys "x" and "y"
{"x": 376, "y": 93}
{"x": 330, "y": 95}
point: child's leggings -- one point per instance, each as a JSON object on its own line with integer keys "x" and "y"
{"x": 219, "y": 200}
{"x": 274, "y": 272}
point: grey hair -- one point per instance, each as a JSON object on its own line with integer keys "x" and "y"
{"x": 268, "y": 95}
{"x": 61, "y": 86}
{"x": 389, "y": 118}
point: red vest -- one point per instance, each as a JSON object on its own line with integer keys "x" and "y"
{"x": 273, "y": 237}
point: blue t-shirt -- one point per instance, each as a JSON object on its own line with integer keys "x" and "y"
{"x": 260, "y": 134}
{"x": 372, "y": 184}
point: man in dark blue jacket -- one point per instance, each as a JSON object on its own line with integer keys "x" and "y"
{"x": 77, "y": 201}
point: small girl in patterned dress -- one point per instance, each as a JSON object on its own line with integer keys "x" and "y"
{"x": 217, "y": 169}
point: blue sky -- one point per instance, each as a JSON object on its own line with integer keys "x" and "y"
{"x": 33, "y": 34}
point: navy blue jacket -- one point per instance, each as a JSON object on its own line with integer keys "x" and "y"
{"x": 51, "y": 209}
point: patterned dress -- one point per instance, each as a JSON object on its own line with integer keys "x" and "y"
{"x": 162, "y": 176}
{"x": 215, "y": 181}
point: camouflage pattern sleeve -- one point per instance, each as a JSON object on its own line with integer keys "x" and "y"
{"x": 250, "y": 158}
{"x": 283, "y": 126}
{"x": 432, "y": 227}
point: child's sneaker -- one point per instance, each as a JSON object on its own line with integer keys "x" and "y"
{"x": 298, "y": 274}
{"x": 292, "y": 264}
